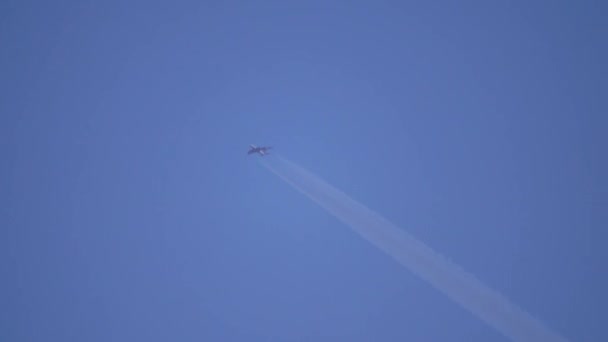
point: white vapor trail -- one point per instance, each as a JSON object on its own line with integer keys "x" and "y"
{"x": 462, "y": 287}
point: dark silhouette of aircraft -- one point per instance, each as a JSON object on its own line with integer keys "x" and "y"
{"x": 262, "y": 150}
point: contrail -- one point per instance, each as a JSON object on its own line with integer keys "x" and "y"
{"x": 461, "y": 286}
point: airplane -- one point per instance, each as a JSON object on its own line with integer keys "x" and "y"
{"x": 262, "y": 150}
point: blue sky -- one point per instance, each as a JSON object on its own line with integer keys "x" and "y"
{"x": 130, "y": 210}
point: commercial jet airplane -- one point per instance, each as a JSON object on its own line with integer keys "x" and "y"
{"x": 262, "y": 150}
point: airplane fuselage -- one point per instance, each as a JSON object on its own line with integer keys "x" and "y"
{"x": 262, "y": 150}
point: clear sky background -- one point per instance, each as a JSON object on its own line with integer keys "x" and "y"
{"x": 131, "y": 212}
